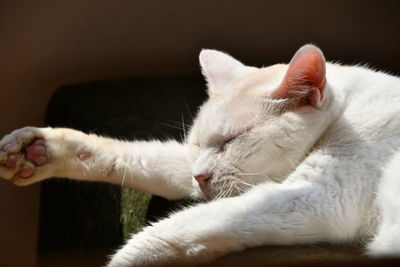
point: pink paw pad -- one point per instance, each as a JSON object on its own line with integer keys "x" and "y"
{"x": 11, "y": 162}
{"x": 27, "y": 172}
{"x": 37, "y": 153}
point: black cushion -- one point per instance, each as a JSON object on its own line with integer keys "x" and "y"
{"x": 87, "y": 215}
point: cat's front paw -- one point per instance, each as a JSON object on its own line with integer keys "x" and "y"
{"x": 144, "y": 249}
{"x": 152, "y": 248}
{"x": 186, "y": 238}
{"x": 22, "y": 153}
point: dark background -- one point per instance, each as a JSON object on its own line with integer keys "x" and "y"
{"x": 45, "y": 44}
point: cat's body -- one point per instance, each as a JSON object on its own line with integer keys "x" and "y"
{"x": 309, "y": 156}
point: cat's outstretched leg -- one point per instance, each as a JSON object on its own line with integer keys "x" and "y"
{"x": 267, "y": 214}
{"x": 387, "y": 239}
{"x": 30, "y": 154}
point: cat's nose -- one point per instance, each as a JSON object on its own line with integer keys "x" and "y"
{"x": 203, "y": 179}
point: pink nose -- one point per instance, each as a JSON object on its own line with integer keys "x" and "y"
{"x": 203, "y": 179}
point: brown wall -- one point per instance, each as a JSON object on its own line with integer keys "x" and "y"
{"x": 44, "y": 44}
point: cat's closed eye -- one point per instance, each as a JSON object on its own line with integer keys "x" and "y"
{"x": 229, "y": 140}
{"x": 219, "y": 142}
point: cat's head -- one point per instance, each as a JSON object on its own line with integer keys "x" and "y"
{"x": 258, "y": 123}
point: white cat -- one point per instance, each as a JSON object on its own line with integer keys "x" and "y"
{"x": 291, "y": 154}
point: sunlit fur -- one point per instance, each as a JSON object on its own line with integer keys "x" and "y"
{"x": 321, "y": 165}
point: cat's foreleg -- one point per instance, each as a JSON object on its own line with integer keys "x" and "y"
{"x": 268, "y": 214}
{"x": 32, "y": 154}
{"x": 386, "y": 242}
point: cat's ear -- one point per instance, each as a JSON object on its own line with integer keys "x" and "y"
{"x": 220, "y": 69}
{"x": 305, "y": 79}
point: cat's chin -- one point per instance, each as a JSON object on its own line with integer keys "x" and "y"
{"x": 198, "y": 194}
{"x": 205, "y": 195}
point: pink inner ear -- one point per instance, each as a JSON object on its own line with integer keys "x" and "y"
{"x": 305, "y": 78}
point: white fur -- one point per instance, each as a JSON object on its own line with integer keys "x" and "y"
{"x": 306, "y": 175}
{"x": 221, "y": 69}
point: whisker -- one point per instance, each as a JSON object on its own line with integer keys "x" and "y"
{"x": 229, "y": 191}
{"x": 187, "y": 107}
{"x": 223, "y": 192}
{"x": 238, "y": 188}
{"x": 179, "y": 123}
{"x": 220, "y": 192}
{"x": 171, "y": 126}
{"x": 245, "y": 183}
{"x": 254, "y": 173}
{"x": 183, "y": 128}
